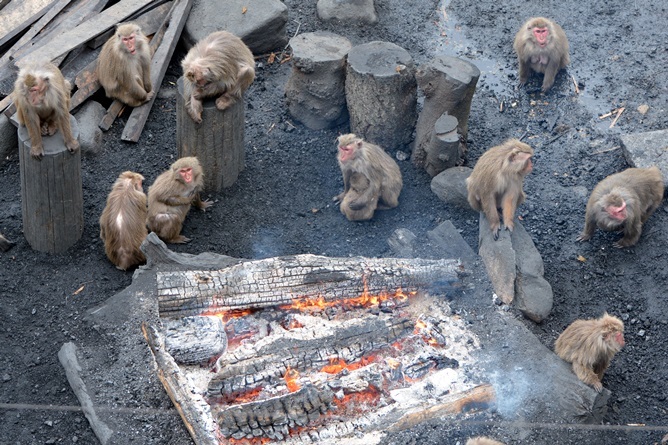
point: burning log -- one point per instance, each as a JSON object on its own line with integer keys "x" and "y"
{"x": 281, "y": 280}
{"x": 195, "y": 340}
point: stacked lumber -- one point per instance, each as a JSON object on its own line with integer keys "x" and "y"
{"x": 71, "y": 33}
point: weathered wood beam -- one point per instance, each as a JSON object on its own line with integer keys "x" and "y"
{"x": 69, "y": 40}
{"x": 163, "y": 54}
{"x": 281, "y": 280}
{"x": 193, "y": 409}
{"x": 18, "y": 15}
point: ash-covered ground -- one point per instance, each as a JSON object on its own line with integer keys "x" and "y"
{"x": 282, "y": 205}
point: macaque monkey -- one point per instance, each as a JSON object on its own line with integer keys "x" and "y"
{"x": 590, "y": 345}
{"x": 124, "y": 66}
{"x": 542, "y": 47}
{"x": 221, "y": 66}
{"x": 5, "y": 244}
{"x": 497, "y": 181}
{"x": 624, "y": 201}
{"x": 170, "y": 198}
{"x": 371, "y": 178}
{"x": 42, "y": 98}
{"x": 123, "y": 221}
{"x": 480, "y": 440}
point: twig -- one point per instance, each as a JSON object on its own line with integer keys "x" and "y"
{"x": 605, "y": 151}
{"x": 575, "y": 82}
{"x": 299, "y": 25}
{"x": 271, "y": 128}
{"x": 619, "y": 113}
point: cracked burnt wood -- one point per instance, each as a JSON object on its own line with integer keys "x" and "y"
{"x": 193, "y": 409}
{"x": 281, "y": 280}
{"x": 247, "y": 369}
{"x": 274, "y": 418}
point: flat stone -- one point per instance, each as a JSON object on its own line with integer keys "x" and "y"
{"x": 260, "y": 23}
{"x": 499, "y": 259}
{"x": 450, "y": 186}
{"x": 449, "y": 243}
{"x": 402, "y": 243}
{"x": 350, "y": 11}
{"x": 644, "y": 150}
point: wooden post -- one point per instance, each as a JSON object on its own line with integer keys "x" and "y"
{"x": 218, "y": 142}
{"x": 315, "y": 91}
{"x": 448, "y": 84}
{"x": 444, "y": 149}
{"x": 381, "y": 92}
{"x": 51, "y": 194}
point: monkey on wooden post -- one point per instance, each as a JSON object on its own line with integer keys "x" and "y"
{"x": 123, "y": 221}
{"x": 542, "y": 47}
{"x": 221, "y": 66}
{"x": 42, "y": 98}
{"x": 124, "y": 66}
{"x": 624, "y": 201}
{"x": 5, "y": 244}
{"x": 481, "y": 440}
{"x": 497, "y": 181}
{"x": 371, "y": 178}
{"x": 170, "y": 198}
{"x": 590, "y": 345}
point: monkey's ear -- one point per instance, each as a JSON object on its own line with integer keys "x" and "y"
{"x": 359, "y": 143}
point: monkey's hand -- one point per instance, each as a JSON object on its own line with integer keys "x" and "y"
{"x": 356, "y": 205}
{"x": 37, "y": 152}
{"x": 203, "y": 205}
{"x": 495, "y": 230}
{"x": 195, "y": 111}
{"x": 338, "y": 198}
{"x": 597, "y": 386}
{"x": 150, "y": 95}
{"x": 72, "y": 146}
{"x": 224, "y": 101}
{"x": 44, "y": 129}
{"x": 510, "y": 226}
{"x": 583, "y": 237}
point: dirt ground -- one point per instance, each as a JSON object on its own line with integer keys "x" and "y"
{"x": 281, "y": 205}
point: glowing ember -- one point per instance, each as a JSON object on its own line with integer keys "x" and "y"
{"x": 358, "y": 401}
{"x": 291, "y": 376}
{"x": 228, "y": 315}
{"x": 337, "y": 365}
{"x": 365, "y": 300}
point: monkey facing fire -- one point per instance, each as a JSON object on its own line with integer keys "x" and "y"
{"x": 170, "y": 198}
{"x": 123, "y": 221}
{"x": 497, "y": 181}
{"x": 481, "y": 440}
{"x": 541, "y": 46}
{"x": 124, "y": 66}
{"x": 590, "y": 345}
{"x": 220, "y": 65}
{"x": 624, "y": 201}
{"x": 371, "y": 178}
{"x": 42, "y": 98}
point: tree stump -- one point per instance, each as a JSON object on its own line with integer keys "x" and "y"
{"x": 381, "y": 92}
{"x": 218, "y": 141}
{"x": 315, "y": 91}
{"x": 448, "y": 84}
{"x": 51, "y": 193}
{"x": 444, "y": 149}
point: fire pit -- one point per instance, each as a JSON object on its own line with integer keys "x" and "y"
{"x": 305, "y": 348}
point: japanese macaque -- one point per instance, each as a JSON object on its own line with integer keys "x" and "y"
{"x": 497, "y": 181}
{"x": 590, "y": 345}
{"x": 221, "y": 66}
{"x": 542, "y": 47}
{"x": 371, "y": 178}
{"x": 124, "y": 66}
{"x": 623, "y": 202}
{"x": 480, "y": 440}
{"x": 42, "y": 98}
{"x": 5, "y": 244}
{"x": 170, "y": 198}
{"x": 123, "y": 221}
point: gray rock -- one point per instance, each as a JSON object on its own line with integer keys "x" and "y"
{"x": 90, "y": 135}
{"x": 261, "y": 26}
{"x": 315, "y": 91}
{"x": 644, "y": 150}
{"x": 350, "y": 11}
{"x": 499, "y": 258}
{"x": 450, "y": 186}
{"x": 402, "y": 243}
{"x": 450, "y": 244}
{"x": 9, "y": 140}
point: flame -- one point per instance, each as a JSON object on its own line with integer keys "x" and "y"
{"x": 228, "y": 315}
{"x": 291, "y": 376}
{"x": 337, "y": 365}
{"x": 358, "y": 400}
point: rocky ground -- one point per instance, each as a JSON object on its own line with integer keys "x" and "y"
{"x": 281, "y": 204}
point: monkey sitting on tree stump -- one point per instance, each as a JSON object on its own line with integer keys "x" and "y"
{"x": 381, "y": 93}
{"x": 51, "y": 192}
{"x": 448, "y": 84}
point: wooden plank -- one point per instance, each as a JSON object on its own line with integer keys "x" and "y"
{"x": 18, "y": 15}
{"x": 161, "y": 58}
{"x": 32, "y": 32}
{"x": 112, "y": 113}
{"x": 69, "y": 40}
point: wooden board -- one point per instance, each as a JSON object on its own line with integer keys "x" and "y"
{"x": 18, "y": 15}
{"x": 69, "y": 40}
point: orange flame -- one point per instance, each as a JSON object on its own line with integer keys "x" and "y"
{"x": 357, "y": 400}
{"x": 337, "y": 365}
{"x": 228, "y": 315}
{"x": 365, "y": 299}
{"x": 291, "y": 376}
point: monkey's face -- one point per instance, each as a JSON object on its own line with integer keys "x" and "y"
{"x": 618, "y": 213}
{"x": 347, "y": 152}
{"x": 129, "y": 43}
{"x": 186, "y": 174}
{"x": 541, "y": 34}
{"x": 36, "y": 92}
